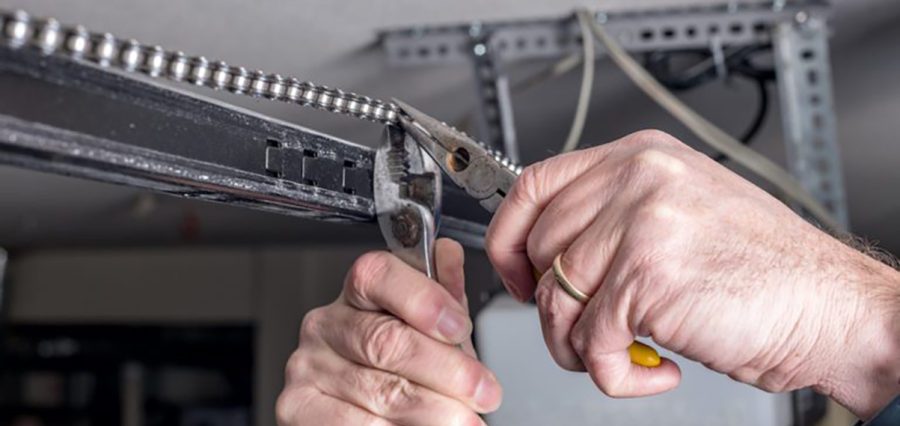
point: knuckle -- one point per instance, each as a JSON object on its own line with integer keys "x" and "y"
{"x": 611, "y": 390}
{"x": 309, "y": 327}
{"x": 658, "y": 209}
{"x": 284, "y": 410}
{"x": 368, "y": 270}
{"x": 530, "y": 183}
{"x": 579, "y": 343}
{"x": 386, "y": 343}
{"x": 651, "y": 271}
{"x": 297, "y": 367}
{"x": 493, "y": 246}
{"x": 543, "y": 296}
{"x": 774, "y": 382}
{"x": 654, "y": 137}
{"x": 534, "y": 248}
{"x": 396, "y": 394}
{"x": 549, "y": 305}
{"x": 291, "y": 404}
{"x": 657, "y": 161}
{"x": 610, "y": 385}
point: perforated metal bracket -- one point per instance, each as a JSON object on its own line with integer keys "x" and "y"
{"x": 654, "y": 30}
{"x": 807, "y": 109}
{"x": 495, "y": 119}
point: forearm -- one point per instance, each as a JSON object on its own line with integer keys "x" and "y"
{"x": 869, "y": 376}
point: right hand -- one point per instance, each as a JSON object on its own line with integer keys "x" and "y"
{"x": 387, "y": 351}
{"x": 672, "y": 245}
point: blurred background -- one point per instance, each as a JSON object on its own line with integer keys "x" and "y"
{"x": 121, "y": 306}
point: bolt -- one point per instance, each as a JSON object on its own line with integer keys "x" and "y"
{"x": 475, "y": 29}
{"x": 801, "y": 17}
{"x": 405, "y": 227}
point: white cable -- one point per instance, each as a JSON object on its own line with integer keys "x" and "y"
{"x": 559, "y": 68}
{"x": 708, "y": 132}
{"x": 587, "y": 83}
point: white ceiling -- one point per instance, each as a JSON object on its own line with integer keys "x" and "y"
{"x": 332, "y": 42}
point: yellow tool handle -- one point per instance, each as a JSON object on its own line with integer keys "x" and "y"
{"x": 640, "y": 353}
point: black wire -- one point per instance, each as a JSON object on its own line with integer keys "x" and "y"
{"x": 737, "y": 61}
{"x": 756, "y": 125}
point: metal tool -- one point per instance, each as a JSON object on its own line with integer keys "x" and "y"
{"x": 484, "y": 174}
{"x": 407, "y": 191}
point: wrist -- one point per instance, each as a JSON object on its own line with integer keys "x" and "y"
{"x": 867, "y": 374}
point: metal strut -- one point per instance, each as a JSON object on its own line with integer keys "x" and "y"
{"x": 807, "y": 110}
{"x": 495, "y": 119}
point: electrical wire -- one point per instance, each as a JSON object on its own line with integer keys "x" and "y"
{"x": 758, "y": 119}
{"x": 587, "y": 85}
{"x": 559, "y": 68}
{"x": 737, "y": 62}
{"x": 708, "y": 132}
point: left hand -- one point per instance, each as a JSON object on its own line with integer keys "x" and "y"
{"x": 387, "y": 351}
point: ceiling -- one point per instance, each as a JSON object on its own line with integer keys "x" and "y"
{"x": 333, "y": 43}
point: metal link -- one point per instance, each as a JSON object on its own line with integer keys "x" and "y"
{"x": 19, "y": 30}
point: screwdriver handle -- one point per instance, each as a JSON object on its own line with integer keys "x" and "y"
{"x": 639, "y": 353}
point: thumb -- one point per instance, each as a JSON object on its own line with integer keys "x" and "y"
{"x": 449, "y": 266}
{"x": 601, "y": 338}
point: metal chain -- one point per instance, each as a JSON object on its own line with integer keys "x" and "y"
{"x": 19, "y": 30}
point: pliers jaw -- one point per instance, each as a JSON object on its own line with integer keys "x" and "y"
{"x": 407, "y": 196}
{"x": 485, "y": 175}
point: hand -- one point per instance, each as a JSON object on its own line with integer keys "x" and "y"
{"x": 385, "y": 352}
{"x": 674, "y": 246}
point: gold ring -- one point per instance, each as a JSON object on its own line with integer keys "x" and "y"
{"x": 565, "y": 283}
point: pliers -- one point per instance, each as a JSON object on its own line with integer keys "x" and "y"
{"x": 407, "y": 192}
{"x": 485, "y": 175}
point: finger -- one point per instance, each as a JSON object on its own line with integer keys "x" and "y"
{"x": 584, "y": 264}
{"x": 385, "y": 343}
{"x": 601, "y": 337}
{"x": 568, "y": 215}
{"x": 308, "y": 406}
{"x": 380, "y": 281}
{"x": 558, "y": 312}
{"x": 508, "y": 232}
{"x": 586, "y": 260}
{"x": 390, "y": 396}
{"x": 449, "y": 260}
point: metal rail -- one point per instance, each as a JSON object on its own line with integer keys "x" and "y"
{"x": 75, "y": 119}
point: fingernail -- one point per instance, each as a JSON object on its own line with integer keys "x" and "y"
{"x": 453, "y": 325}
{"x": 487, "y": 394}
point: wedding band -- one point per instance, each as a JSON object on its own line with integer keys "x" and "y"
{"x": 565, "y": 283}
